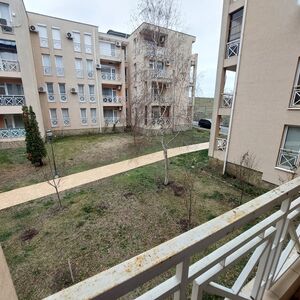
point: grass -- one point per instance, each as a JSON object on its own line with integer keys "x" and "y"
{"x": 107, "y": 223}
{"x": 79, "y": 153}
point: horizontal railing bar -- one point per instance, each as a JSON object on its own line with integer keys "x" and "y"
{"x": 126, "y": 276}
{"x": 222, "y": 291}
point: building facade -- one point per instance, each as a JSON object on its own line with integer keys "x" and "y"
{"x": 257, "y": 87}
{"x": 76, "y": 79}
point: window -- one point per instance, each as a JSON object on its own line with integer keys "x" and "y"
{"x": 4, "y": 13}
{"x": 56, "y": 38}
{"x": 159, "y": 65}
{"x": 81, "y": 92}
{"x": 92, "y": 93}
{"x": 65, "y": 116}
{"x": 78, "y": 68}
{"x": 108, "y": 49}
{"x": 46, "y": 64}
{"x": 11, "y": 89}
{"x": 89, "y": 68}
{"x": 43, "y": 34}
{"x": 94, "y": 115}
{"x": 59, "y": 66}
{"x": 53, "y": 117}
{"x": 50, "y": 91}
{"x": 235, "y": 27}
{"x": 88, "y": 43}
{"x": 76, "y": 41}
{"x": 289, "y": 153}
{"x": 8, "y": 56}
{"x": 109, "y": 95}
{"x": 146, "y": 115}
{"x": 62, "y": 92}
{"x": 108, "y": 72}
{"x": 111, "y": 116}
{"x": 83, "y": 116}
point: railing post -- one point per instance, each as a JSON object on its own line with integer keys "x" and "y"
{"x": 182, "y": 270}
{"x": 197, "y": 292}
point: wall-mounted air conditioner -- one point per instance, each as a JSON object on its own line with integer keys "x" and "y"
{"x": 33, "y": 29}
{"x": 69, "y": 36}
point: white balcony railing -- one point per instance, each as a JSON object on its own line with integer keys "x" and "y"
{"x": 9, "y": 65}
{"x": 51, "y": 97}
{"x": 161, "y": 121}
{"x": 44, "y": 42}
{"x": 90, "y": 74}
{"x": 115, "y": 53}
{"x": 63, "y": 97}
{"x": 81, "y": 97}
{"x": 47, "y": 70}
{"x": 77, "y": 47}
{"x": 227, "y": 100}
{"x": 88, "y": 48}
{"x": 79, "y": 73}
{"x": 111, "y": 120}
{"x": 262, "y": 242}
{"x": 12, "y": 100}
{"x": 94, "y": 120}
{"x": 233, "y": 48}
{"x": 295, "y": 102}
{"x": 110, "y": 76}
{"x": 54, "y": 122}
{"x": 84, "y": 121}
{"x": 221, "y": 144}
{"x": 12, "y": 133}
{"x": 66, "y": 121}
{"x": 60, "y": 71}
{"x": 110, "y": 99}
{"x": 56, "y": 44}
{"x": 92, "y": 98}
{"x": 289, "y": 159}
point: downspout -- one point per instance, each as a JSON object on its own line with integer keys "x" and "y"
{"x": 235, "y": 87}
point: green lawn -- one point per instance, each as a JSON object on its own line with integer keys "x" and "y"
{"x": 78, "y": 153}
{"x": 108, "y": 222}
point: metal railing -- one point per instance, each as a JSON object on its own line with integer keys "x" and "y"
{"x": 116, "y": 53}
{"x": 264, "y": 251}
{"x": 88, "y": 48}
{"x": 81, "y": 97}
{"x": 295, "y": 101}
{"x": 90, "y": 74}
{"x": 9, "y": 65}
{"x": 160, "y": 121}
{"x": 111, "y": 120}
{"x": 92, "y": 98}
{"x": 160, "y": 98}
{"x": 47, "y": 70}
{"x": 12, "y": 100}
{"x": 288, "y": 159}
{"x": 44, "y": 42}
{"x": 226, "y": 100}
{"x": 94, "y": 120}
{"x": 63, "y": 97}
{"x": 56, "y": 44}
{"x": 84, "y": 121}
{"x": 60, "y": 71}
{"x": 159, "y": 74}
{"x": 79, "y": 73}
{"x": 77, "y": 47}
{"x": 51, "y": 97}
{"x": 54, "y": 122}
{"x": 221, "y": 144}
{"x": 233, "y": 48}
{"x": 110, "y": 99}
{"x": 110, "y": 76}
{"x": 12, "y": 133}
{"x": 66, "y": 121}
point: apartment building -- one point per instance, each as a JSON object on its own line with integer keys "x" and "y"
{"x": 76, "y": 78}
{"x": 257, "y": 87}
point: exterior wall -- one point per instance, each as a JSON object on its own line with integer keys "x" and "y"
{"x": 266, "y": 73}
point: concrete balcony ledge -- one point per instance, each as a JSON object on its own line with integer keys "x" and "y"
{"x": 235, "y": 5}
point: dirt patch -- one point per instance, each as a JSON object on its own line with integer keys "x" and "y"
{"x": 28, "y": 234}
{"x": 184, "y": 225}
{"x": 178, "y": 189}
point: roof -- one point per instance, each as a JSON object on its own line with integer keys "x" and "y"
{"x": 117, "y": 33}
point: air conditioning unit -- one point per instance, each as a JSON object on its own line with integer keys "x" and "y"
{"x": 104, "y": 99}
{"x": 73, "y": 91}
{"x": 120, "y": 108}
{"x": 3, "y": 22}
{"x": 32, "y": 28}
{"x": 69, "y": 36}
{"x": 8, "y": 29}
{"x": 98, "y": 67}
{"x": 162, "y": 39}
{"x": 118, "y": 44}
{"x": 41, "y": 89}
{"x": 119, "y": 87}
{"x": 193, "y": 63}
{"x": 167, "y": 63}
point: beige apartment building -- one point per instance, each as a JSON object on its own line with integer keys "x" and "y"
{"x": 77, "y": 79}
{"x": 260, "y": 49}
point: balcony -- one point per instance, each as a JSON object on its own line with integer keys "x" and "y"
{"x": 158, "y": 74}
{"x": 81, "y": 97}
{"x": 9, "y": 65}
{"x": 233, "y": 48}
{"x": 92, "y": 98}
{"x": 288, "y": 159}
{"x": 54, "y": 122}
{"x": 226, "y": 100}
{"x": 260, "y": 239}
{"x": 66, "y": 121}
{"x": 110, "y": 76}
{"x": 111, "y": 120}
{"x": 108, "y": 54}
{"x": 108, "y": 99}
{"x": 161, "y": 98}
{"x": 12, "y": 100}
{"x": 156, "y": 51}
{"x": 160, "y": 121}
{"x": 51, "y": 97}
{"x": 221, "y": 144}
{"x": 295, "y": 101}
{"x": 63, "y": 97}
{"x": 12, "y": 133}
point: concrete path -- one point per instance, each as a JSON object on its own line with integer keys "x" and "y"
{"x": 39, "y": 190}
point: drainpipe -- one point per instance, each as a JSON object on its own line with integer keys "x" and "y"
{"x": 235, "y": 88}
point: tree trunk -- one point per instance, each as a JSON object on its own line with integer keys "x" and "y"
{"x": 58, "y": 195}
{"x": 165, "y": 151}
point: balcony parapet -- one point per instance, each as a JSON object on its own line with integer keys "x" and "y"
{"x": 110, "y": 76}
{"x": 226, "y": 100}
{"x": 288, "y": 159}
{"x": 12, "y": 133}
{"x": 221, "y": 144}
{"x": 233, "y": 48}
{"x": 12, "y": 100}
{"x": 9, "y": 65}
{"x": 295, "y": 101}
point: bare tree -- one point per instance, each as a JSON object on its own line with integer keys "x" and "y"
{"x": 161, "y": 96}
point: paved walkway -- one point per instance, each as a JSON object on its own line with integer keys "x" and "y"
{"x": 39, "y": 190}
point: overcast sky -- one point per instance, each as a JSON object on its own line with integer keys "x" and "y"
{"x": 201, "y": 18}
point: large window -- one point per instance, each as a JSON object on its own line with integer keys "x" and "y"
{"x": 50, "y": 91}
{"x": 4, "y": 13}
{"x": 43, "y": 34}
{"x": 62, "y": 92}
{"x": 93, "y": 115}
{"x": 235, "y": 27}
{"x": 56, "y": 38}
{"x": 59, "y": 66}
{"x": 11, "y": 89}
{"x": 289, "y": 153}
{"x": 107, "y": 49}
{"x": 76, "y": 41}
{"x": 46, "y": 64}
{"x": 65, "y": 116}
{"x": 53, "y": 117}
{"x": 83, "y": 116}
{"x": 88, "y": 43}
{"x": 89, "y": 68}
{"x": 78, "y": 68}
{"x": 81, "y": 92}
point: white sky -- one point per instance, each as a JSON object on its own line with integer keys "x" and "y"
{"x": 201, "y": 18}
